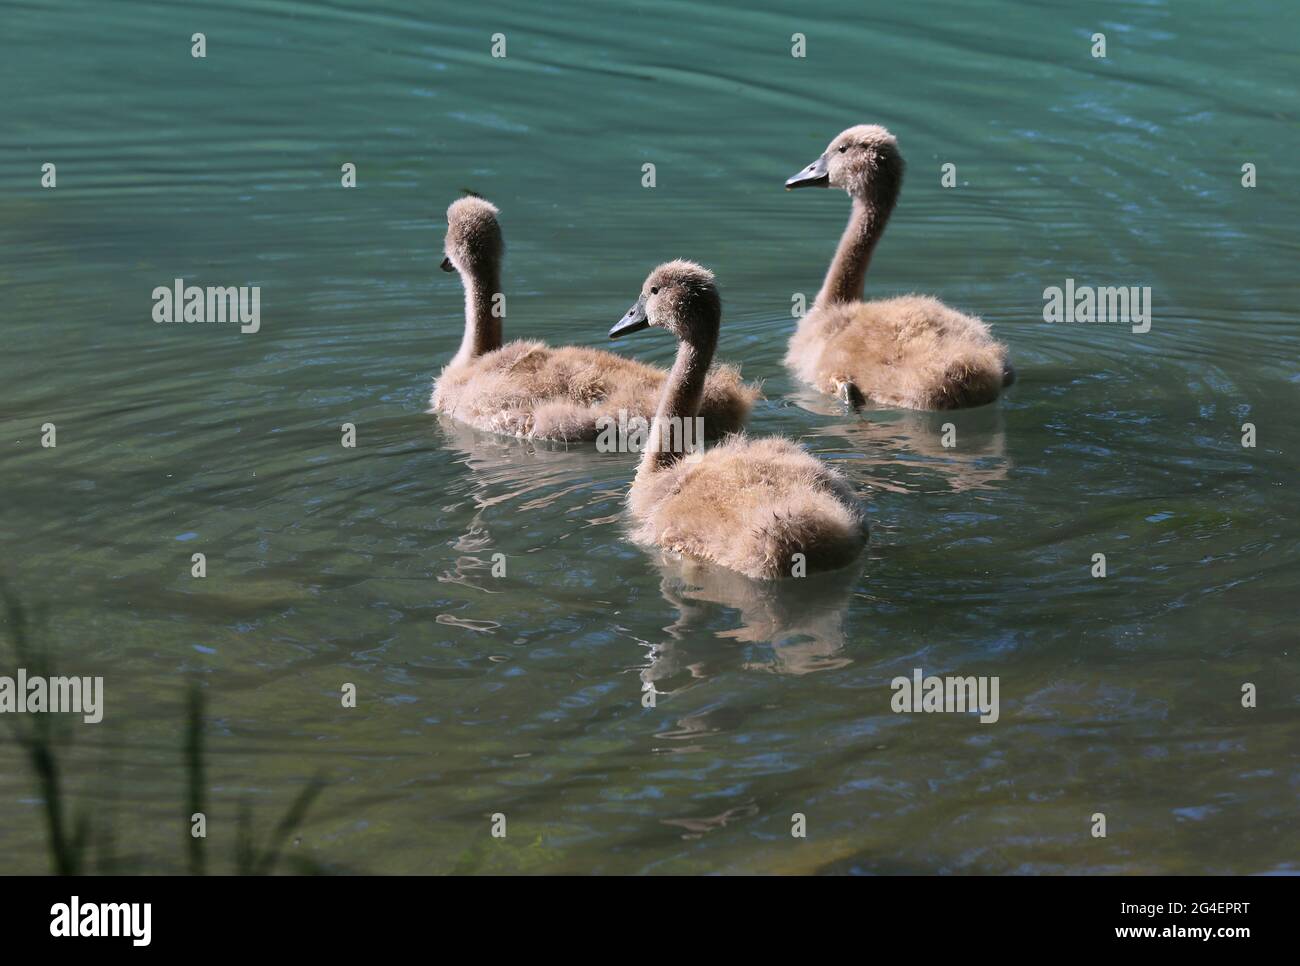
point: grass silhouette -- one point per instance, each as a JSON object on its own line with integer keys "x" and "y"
{"x": 77, "y": 844}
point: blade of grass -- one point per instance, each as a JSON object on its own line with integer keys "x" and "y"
{"x": 38, "y": 744}
{"x": 289, "y": 823}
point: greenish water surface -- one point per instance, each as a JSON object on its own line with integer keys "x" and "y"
{"x": 522, "y": 694}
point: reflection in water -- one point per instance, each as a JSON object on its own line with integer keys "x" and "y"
{"x": 913, "y": 442}
{"x": 504, "y": 469}
{"x": 801, "y": 618}
{"x": 696, "y": 827}
{"x": 510, "y": 480}
{"x": 490, "y": 457}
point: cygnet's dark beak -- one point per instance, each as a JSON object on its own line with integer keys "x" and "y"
{"x": 813, "y": 176}
{"x": 634, "y": 321}
{"x": 447, "y": 266}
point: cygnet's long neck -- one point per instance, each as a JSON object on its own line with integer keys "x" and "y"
{"x": 848, "y": 272}
{"x": 674, "y": 423}
{"x": 482, "y": 327}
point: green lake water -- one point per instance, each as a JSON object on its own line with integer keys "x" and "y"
{"x": 522, "y": 695}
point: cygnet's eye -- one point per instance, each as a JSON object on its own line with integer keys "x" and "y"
{"x": 843, "y": 148}
{"x": 654, "y": 290}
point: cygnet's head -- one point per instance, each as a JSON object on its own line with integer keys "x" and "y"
{"x": 473, "y": 244}
{"x": 679, "y": 296}
{"x": 863, "y": 160}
